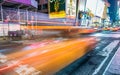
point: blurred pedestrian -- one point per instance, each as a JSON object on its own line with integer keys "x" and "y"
{"x": 79, "y": 17}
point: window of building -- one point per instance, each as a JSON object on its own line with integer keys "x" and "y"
{"x": 45, "y": 6}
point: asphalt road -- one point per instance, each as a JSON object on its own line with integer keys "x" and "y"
{"x": 96, "y": 62}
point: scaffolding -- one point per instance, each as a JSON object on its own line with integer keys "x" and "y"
{"x": 13, "y": 19}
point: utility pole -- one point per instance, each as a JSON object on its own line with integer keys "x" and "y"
{"x": 2, "y": 18}
{"x": 85, "y": 11}
{"x": 19, "y": 15}
{"x": 77, "y": 11}
{"x": 8, "y": 20}
{"x": 2, "y": 22}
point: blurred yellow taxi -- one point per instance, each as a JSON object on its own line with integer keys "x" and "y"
{"x": 106, "y": 28}
{"x": 114, "y": 28}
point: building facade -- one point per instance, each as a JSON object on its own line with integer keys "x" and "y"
{"x": 20, "y": 3}
{"x": 43, "y": 6}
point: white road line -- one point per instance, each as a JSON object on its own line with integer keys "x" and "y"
{"x": 27, "y": 70}
{"x": 106, "y": 35}
{"x": 3, "y": 58}
{"x": 111, "y": 61}
{"x": 109, "y": 48}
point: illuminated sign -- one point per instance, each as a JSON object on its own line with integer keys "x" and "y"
{"x": 71, "y": 8}
{"x": 91, "y": 6}
{"x": 82, "y": 5}
{"x": 100, "y": 8}
{"x": 96, "y": 7}
{"x": 57, "y": 9}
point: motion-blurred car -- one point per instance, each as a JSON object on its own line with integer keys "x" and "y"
{"x": 40, "y": 61}
{"x": 87, "y": 30}
{"x": 106, "y": 28}
{"x": 114, "y": 28}
{"x": 98, "y": 29}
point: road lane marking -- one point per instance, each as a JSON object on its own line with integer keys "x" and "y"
{"x": 13, "y": 62}
{"x": 3, "y": 58}
{"x": 111, "y": 61}
{"x": 108, "y": 48}
{"x": 27, "y": 70}
{"x": 23, "y": 69}
{"x": 106, "y": 35}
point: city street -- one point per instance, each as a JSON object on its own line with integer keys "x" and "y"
{"x": 59, "y": 37}
{"x": 97, "y": 61}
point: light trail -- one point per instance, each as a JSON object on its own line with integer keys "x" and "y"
{"x": 55, "y": 58}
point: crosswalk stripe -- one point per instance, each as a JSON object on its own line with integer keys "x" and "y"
{"x": 110, "y": 61}
{"x": 109, "y": 48}
{"x": 3, "y": 58}
{"x": 106, "y": 35}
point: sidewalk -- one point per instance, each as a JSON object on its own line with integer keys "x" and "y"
{"x": 5, "y": 43}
